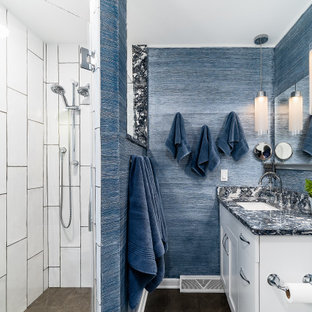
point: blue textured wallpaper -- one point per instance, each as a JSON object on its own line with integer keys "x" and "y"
{"x": 204, "y": 84}
{"x": 291, "y": 55}
{"x": 115, "y": 153}
{"x": 291, "y": 59}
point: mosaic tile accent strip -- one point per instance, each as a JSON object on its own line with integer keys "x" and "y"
{"x": 140, "y": 90}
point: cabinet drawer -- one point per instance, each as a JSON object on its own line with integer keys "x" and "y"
{"x": 248, "y": 287}
{"x": 248, "y": 244}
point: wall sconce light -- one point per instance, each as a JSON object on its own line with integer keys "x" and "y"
{"x": 4, "y": 31}
{"x": 295, "y": 118}
{"x": 261, "y": 101}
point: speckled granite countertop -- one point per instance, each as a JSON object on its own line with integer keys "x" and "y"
{"x": 293, "y": 217}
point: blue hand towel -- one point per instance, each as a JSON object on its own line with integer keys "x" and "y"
{"x": 307, "y": 144}
{"x": 232, "y": 139}
{"x": 206, "y": 154}
{"x": 176, "y": 142}
{"x": 147, "y": 236}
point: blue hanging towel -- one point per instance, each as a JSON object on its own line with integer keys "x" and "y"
{"x": 176, "y": 141}
{"x": 307, "y": 144}
{"x": 232, "y": 139}
{"x": 206, "y": 154}
{"x": 147, "y": 235}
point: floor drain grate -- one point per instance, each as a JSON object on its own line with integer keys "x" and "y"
{"x": 201, "y": 284}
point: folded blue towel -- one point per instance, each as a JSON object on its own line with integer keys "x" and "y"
{"x": 307, "y": 144}
{"x": 147, "y": 236}
{"x": 206, "y": 154}
{"x": 232, "y": 139}
{"x": 176, "y": 142}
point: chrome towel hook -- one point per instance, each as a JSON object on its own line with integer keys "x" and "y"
{"x": 274, "y": 280}
{"x": 307, "y": 279}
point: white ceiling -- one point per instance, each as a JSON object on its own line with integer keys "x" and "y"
{"x": 209, "y": 23}
{"x": 63, "y": 21}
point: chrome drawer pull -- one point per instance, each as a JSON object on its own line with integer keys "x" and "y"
{"x": 243, "y": 239}
{"x": 225, "y": 238}
{"x": 243, "y": 276}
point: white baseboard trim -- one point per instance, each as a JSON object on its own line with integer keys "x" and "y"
{"x": 169, "y": 283}
{"x": 143, "y": 300}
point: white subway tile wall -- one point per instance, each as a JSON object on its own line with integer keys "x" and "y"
{"x": 3, "y": 64}
{"x": 35, "y": 251}
{"x": 35, "y": 277}
{"x": 2, "y": 236}
{"x": 17, "y": 277}
{"x": 70, "y": 267}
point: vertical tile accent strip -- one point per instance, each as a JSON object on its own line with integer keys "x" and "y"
{"x": 140, "y": 90}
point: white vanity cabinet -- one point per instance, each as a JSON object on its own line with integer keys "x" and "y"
{"x": 247, "y": 260}
{"x": 239, "y": 264}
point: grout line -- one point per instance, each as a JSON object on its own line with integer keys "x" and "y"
{"x": 36, "y": 121}
{"x": 27, "y": 170}
{"x": 35, "y": 188}
{"x": 7, "y": 157}
{"x": 18, "y": 241}
{"x": 38, "y": 253}
{"x": 63, "y": 9}
{"x": 32, "y": 52}
{"x": 64, "y": 63}
{"x": 16, "y": 90}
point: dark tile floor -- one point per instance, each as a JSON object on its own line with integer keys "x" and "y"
{"x": 168, "y": 300}
{"x": 63, "y": 300}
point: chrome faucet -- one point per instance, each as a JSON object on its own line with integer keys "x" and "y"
{"x": 272, "y": 174}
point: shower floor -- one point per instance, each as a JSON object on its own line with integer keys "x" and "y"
{"x": 169, "y": 300}
{"x": 63, "y": 300}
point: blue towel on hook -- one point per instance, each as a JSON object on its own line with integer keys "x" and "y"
{"x": 232, "y": 139}
{"x": 206, "y": 154}
{"x": 147, "y": 235}
{"x": 307, "y": 144}
{"x": 176, "y": 142}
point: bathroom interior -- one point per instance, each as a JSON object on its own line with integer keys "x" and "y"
{"x": 155, "y": 156}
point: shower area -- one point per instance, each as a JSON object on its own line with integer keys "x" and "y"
{"x": 49, "y": 156}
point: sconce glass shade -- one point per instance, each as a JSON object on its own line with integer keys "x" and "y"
{"x": 295, "y": 117}
{"x": 261, "y": 113}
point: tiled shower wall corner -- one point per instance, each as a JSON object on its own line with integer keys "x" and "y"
{"x": 35, "y": 252}
{"x": 69, "y": 250}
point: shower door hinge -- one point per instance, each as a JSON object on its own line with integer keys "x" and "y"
{"x": 87, "y": 59}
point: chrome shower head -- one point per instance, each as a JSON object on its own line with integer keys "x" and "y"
{"x": 56, "y": 88}
{"x": 84, "y": 91}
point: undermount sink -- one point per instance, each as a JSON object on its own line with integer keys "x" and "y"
{"x": 256, "y": 206}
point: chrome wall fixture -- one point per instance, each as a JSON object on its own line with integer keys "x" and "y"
{"x": 72, "y": 161}
{"x": 261, "y": 101}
